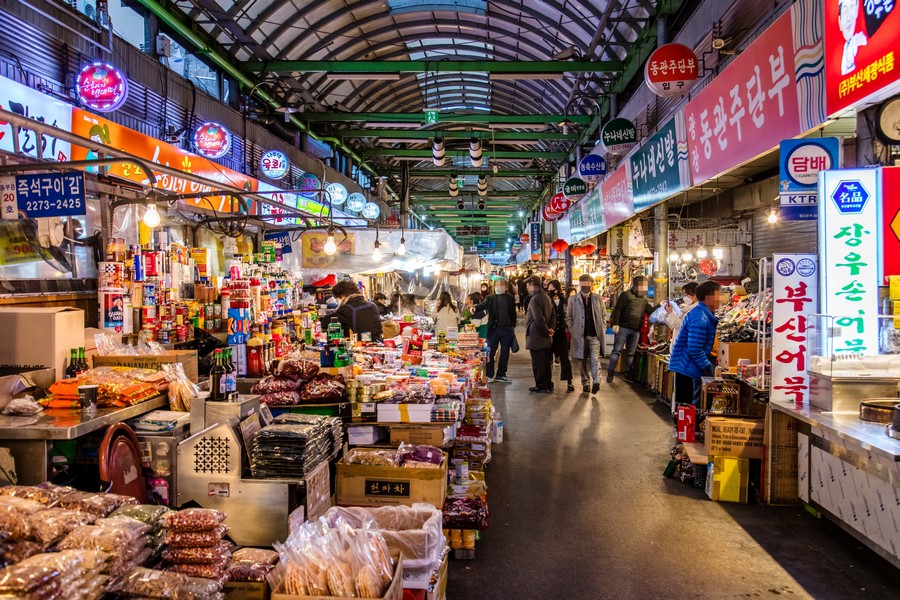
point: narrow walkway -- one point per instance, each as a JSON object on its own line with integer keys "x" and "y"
{"x": 580, "y": 509}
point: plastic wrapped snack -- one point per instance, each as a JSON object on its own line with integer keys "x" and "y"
{"x": 51, "y": 525}
{"x": 323, "y": 388}
{"x": 97, "y": 504}
{"x": 209, "y": 571}
{"x": 181, "y": 388}
{"x": 149, "y": 583}
{"x": 255, "y": 555}
{"x": 248, "y": 571}
{"x": 298, "y": 370}
{"x": 425, "y": 456}
{"x": 200, "y": 556}
{"x": 132, "y": 527}
{"x": 196, "y": 539}
{"x": 23, "y": 581}
{"x": 272, "y": 384}
{"x": 14, "y": 513}
{"x": 19, "y": 551}
{"x": 193, "y": 519}
{"x": 21, "y": 505}
{"x": 150, "y": 514}
{"x": 45, "y": 495}
{"x": 372, "y": 458}
{"x": 110, "y": 540}
{"x": 281, "y": 398}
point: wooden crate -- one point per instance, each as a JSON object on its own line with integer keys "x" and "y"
{"x": 779, "y": 478}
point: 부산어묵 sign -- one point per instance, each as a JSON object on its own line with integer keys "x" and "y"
{"x": 795, "y": 297}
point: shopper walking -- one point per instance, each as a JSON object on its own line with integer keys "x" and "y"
{"x": 500, "y": 308}
{"x": 689, "y": 302}
{"x": 446, "y": 315}
{"x": 471, "y": 315}
{"x": 626, "y": 320}
{"x": 540, "y": 321}
{"x": 354, "y": 312}
{"x": 586, "y": 320}
{"x": 522, "y": 287}
{"x": 690, "y": 355}
{"x": 560, "y": 347}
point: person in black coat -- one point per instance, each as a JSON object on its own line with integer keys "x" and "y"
{"x": 380, "y": 300}
{"x": 500, "y": 309}
{"x": 560, "y": 347}
{"x": 355, "y": 312}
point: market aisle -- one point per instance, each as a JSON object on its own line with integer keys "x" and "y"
{"x": 579, "y": 509}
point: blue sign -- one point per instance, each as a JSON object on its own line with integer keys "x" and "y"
{"x": 850, "y": 197}
{"x": 281, "y": 236}
{"x": 799, "y": 206}
{"x": 535, "y": 237}
{"x": 800, "y": 163}
{"x": 51, "y": 195}
{"x": 592, "y": 166}
{"x": 486, "y": 245}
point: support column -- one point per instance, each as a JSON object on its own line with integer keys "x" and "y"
{"x": 661, "y": 211}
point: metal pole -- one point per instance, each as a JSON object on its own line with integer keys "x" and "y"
{"x": 661, "y": 211}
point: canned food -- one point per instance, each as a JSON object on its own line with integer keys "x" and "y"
{"x": 149, "y": 294}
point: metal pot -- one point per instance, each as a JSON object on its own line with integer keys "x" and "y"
{"x": 878, "y": 410}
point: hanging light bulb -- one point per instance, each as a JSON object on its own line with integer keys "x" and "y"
{"x": 151, "y": 216}
{"x": 773, "y": 216}
{"x": 401, "y": 249}
{"x": 718, "y": 252}
{"x": 673, "y": 257}
{"x": 376, "y": 255}
{"x": 701, "y": 252}
{"x": 330, "y": 247}
{"x": 687, "y": 257}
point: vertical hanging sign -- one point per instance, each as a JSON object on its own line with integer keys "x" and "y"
{"x": 800, "y": 164}
{"x": 794, "y": 298}
{"x": 535, "y": 240}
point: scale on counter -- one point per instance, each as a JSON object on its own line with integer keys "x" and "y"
{"x": 211, "y": 464}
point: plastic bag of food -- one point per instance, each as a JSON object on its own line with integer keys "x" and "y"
{"x": 255, "y": 555}
{"x": 45, "y": 495}
{"x": 206, "y": 571}
{"x": 202, "y": 556}
{"x": 281, "y": 398}
{"x": 297, "y": 369}
{"x": 323, "y": 388}
{"x": 248, "y": 571}
{"x": 14, "y": 525}
{"x": 151, "y": 514}
{"x": 24, "y": 581}
{"x": 132, "y": 527}
{"x": 19, "y": 551}
{"x": 97, "y": 504}
{"x": 51, "y": 525}
{"x": 111, "y": 540}
{"x": 273, "y": 384}
{"x": 194, "y": 519}
{"x": 428, "y": 455}
{"x": 20, "y": 505}
{"x": 181, "y": 388}
{"x": 372, "y": 458}
{"x": 22, "y": 407}
{"x": 196, "y": 539}
{"x": 149, "y": 583}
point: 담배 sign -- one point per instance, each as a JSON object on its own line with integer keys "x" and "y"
{"x": 50, "y": 195}
{"x": 618, "y": 136}
{"x": 795, "y": 297}
{"x": 848, "y": 246}
{"x": 801, "y": 161}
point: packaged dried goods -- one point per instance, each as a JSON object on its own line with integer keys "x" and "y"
{"x": 198, "y": 539}
{"x": 194, "y": 519}
{"x": 272, "y": 384}
{"x": 323, "y": 388}
{"x": 297, "y": 369}
{"x": 25, "y": 581}
{"x": 289, "y": 398}
{"x": 255, "y": 555}
{"x": 47, "y": 493}
{"x": 202, "y": 556}
{"x": 51, "y": 525}
{"x": 248, "y": 571}
{"x": 90, "y": 537}
{"x": 19, "y": 551}
{"x": 132, "y": 527}
{"x": 20, "y": 505}
{"x": 207, "y": 571}
{"x": 150, "y": 514}
{"x": 372, "y": 458}
{"x": 149, "y": 583}
{"x": 97, "y": 504}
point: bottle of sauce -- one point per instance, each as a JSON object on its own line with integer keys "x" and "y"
{"x": 217, "y": 379}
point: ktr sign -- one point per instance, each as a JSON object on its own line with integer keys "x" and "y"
{"x": 850, "y": 197}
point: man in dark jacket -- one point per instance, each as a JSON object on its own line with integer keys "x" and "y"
{"x": 355, "y": 312}
{"x": 500, "y": 308}
{"x": 690, "y": 355}
{"x": 626, "y": 320}
{"x": 539, "y": 324}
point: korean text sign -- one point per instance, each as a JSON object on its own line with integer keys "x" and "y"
{"x": 848, "y": 245}
{"x": 660, "y": 167}
{"x": 592, "y": 214}
{"x": 616, "y": 197}
{"x": 860, "y": 50}
{"x": 51, "y": 194}
{"x": 800, "y": 162}
{"x": 26, "y": 102}
{"x": 890, "y": 226}
{"x": 794, "y": 298}
{"x": 754, "y": 103}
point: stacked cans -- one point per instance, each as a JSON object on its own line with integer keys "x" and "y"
{"x": 111, "y": 295}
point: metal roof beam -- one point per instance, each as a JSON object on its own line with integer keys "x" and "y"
{"x": 501, "y": 173}
{"x": 419, "y": 117}
{"x": 541, "y": 67}
{"x": 426, "y": 153}
{"x": 414, "y": 135}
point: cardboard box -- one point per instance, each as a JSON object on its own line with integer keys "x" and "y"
{"x": 728, "y": 479}
{"x": 361, "y": 485}
{"x": 427, "y": 435}
{"x": 250, "y": 590}
{"x": 394, "y": 592}
{"x": 8, "y": 474}
{"x": 404, "y": 413}
{"x": 737, "y": 438}
{"x": 40, "y": 337}
{"x": 687, "y": 423}
{"x": 365, "y": 434}
{"x": 188, "y": 358}
{"x": 731, "y": 352}
{"x": 440, "y": 587}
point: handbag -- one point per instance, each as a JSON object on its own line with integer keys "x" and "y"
{"x": 515, "y": 344}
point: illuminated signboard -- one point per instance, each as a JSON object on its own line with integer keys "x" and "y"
{"x": 274, "y": 164}
{"x": 101, "y": 87}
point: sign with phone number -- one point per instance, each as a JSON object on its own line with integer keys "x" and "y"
{"x": 43, "y": 195}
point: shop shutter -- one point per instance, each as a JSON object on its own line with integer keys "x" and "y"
{"x": 784, "y": 237}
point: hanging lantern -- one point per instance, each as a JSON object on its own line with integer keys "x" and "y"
{"x": 709, "y": 266}
{"x": 560, "y": 246}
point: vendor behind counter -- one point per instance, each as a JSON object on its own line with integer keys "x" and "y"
{"x": 354, "y": 312}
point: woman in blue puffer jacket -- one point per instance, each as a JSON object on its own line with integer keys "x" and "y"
{"x": 690, "y": 355}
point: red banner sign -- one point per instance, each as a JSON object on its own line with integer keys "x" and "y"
{"x": 860, "y": 45}
{"x": 890, "y": 215}
{"x": 617, "y": 204}
{"x": 101, "y": 87}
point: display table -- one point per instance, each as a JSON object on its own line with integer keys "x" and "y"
{"x": 29, "y": 438}
{"x": 846, "y": 468}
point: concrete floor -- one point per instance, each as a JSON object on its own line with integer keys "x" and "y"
{"x": 580, "y": 509}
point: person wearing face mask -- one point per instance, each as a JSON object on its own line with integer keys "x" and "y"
{"x": 560, "y": 347}
{"x": 690, "y": 359}
{"x": 626, "y": 320}
{"x": 540, "y": 321}
{"x": 500, "y": 308}
{"x": 586, "y": 319}
{"x": 355, "y": 312}
{"x": 673, "y": 319}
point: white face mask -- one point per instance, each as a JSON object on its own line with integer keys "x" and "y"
{"x": 501, "y": 290}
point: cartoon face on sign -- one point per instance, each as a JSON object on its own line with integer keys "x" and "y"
{"x": 848, "y": 17}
